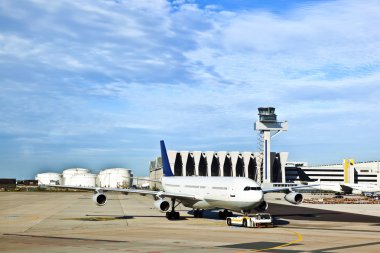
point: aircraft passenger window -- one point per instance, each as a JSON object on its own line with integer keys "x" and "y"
{"x": 246, "y": 188}
{"x": 219, "y": 188}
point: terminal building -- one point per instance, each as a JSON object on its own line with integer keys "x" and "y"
{"x": 266, "y": 167}
{"x": 245, "y": 164}
{"x": 221, "y": 163}
{"x": 347, "y": 172}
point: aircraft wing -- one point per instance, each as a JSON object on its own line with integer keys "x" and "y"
{"x": 159, "y": 194}
{"x": 145, "y": 179}
{"x": 279, "y": 189}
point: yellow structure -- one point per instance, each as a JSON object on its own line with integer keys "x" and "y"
{"x": 348, "y": 165}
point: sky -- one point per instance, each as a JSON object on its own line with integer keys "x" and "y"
{"x": 97, "y": 84}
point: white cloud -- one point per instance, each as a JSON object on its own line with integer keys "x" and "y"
{"x": 151, "y": 67}
{"x": 318, "y": 40}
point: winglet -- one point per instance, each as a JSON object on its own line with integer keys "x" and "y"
{"x": 165, "y": 161}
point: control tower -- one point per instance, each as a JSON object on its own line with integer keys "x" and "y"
{"x": 268, "y": 127}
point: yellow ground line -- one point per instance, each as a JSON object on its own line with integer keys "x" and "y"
{"x": 299, "y": 236}
{"x": 299, "y": 239}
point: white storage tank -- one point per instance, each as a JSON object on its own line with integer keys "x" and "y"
{"x": 87, "y": 179}
{"x": 115, "y": 178}
{"x": 68, "y": 174}
{"x": 49, "y": 178}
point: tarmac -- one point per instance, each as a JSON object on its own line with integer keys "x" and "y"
{"x": 71, "y": 222}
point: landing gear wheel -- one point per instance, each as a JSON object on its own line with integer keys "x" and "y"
{"x": 224, "y": 214}
{"x": 198, "y": 213}
{"x": 245, "y": 223}
{"x": 172, "y": 215}
{"x": 228, "y": 221}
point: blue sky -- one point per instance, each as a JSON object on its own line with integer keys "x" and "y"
{"x": 97, "y": 84}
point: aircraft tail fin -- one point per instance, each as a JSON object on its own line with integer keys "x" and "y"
{"x": 303, "y": 176}
{"x": 165, "y": 161}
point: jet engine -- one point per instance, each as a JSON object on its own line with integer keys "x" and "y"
{"x": 294, "y": 198}
{"x": 262, "y": 207}
{"x": 162, "y": 205}
{"x": 100, "y": 199}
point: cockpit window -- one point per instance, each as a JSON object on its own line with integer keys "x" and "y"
{"x": 249, "y": 188}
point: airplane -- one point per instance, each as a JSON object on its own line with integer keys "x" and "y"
{"x": 361, "y": 188}
{"x": 338, "y": 187}
{"x": 345, "y": 188}
{"x": 238, "y": 194}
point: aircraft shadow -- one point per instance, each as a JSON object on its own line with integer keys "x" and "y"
{"x": 214, "y": 215}
{"x": 209, "y": 214}
{"x": 126, "y": 217}
{"x": 307, "y": 213}
{"x": 279, "y": 222}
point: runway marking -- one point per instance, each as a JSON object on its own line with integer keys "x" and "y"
{"x": 67, "y": 238}
{"x": 299, "y": 239}
{"x": 299, "y": 236}
{"x": 19, "y": 219}
{"x": 335, "y": 229}
{"x": 95, "y": 218}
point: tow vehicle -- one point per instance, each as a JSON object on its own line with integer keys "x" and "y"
{"x": 253, "y": 221}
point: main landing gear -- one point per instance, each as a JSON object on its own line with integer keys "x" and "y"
{"x": 224, "y": 214}
{"x": 198, "y": 213}
{"x": 173, "y": 215}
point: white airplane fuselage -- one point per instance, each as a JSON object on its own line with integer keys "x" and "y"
{"x": 364, "y": 187}
{"x": 356, "y": 188}
{"x": 237, "y": 193}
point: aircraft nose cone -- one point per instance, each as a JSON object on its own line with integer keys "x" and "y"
{"x": 258, "y": 197}
{"x": 261, "y": 196}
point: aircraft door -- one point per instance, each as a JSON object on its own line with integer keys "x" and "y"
{"x": 232, "y": 193}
